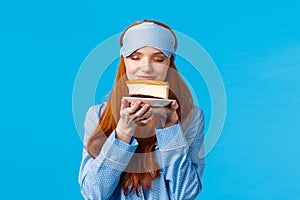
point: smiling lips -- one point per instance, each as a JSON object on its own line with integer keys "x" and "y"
{"x": 146, "y": 77}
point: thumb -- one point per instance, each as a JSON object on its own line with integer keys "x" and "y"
{"x": 174, "y": 105}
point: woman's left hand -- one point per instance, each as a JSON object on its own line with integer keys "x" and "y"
{"x": 167, "y": 115}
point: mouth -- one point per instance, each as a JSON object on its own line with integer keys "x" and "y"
{"x": 146, "y": 77}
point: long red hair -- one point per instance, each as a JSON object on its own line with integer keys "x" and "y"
{"x": 131, "y": 179}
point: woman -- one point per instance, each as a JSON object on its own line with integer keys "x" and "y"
{"x": 133, "y": 150}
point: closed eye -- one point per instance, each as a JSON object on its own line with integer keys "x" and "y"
{"x": 159, "y": 59}
{"x": 134, "y": 57}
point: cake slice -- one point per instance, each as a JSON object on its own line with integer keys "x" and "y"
{"x": 148, "y": 88}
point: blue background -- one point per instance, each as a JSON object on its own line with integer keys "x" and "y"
{"x": 255, "y": 45}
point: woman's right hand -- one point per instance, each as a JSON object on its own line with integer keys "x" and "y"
{"x": 131, "y": 116}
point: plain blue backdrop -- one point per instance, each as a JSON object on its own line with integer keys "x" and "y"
{"x": 255, "y": 45}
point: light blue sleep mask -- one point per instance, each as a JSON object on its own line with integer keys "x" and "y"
{"x": 148, "y": 34}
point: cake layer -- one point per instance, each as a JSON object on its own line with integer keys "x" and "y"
{"x": 153, "y": 88}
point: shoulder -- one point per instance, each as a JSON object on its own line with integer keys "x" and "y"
{"x": 195, "y": 125}
{"x": 198, "y": 113}
{"x": 96, "y": 110}
{"x": 198, "y": 117}
{"x": 92, "y": 119}
{"x": 194, "y": 116}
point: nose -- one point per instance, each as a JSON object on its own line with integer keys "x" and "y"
{"x": 146, "y": 65}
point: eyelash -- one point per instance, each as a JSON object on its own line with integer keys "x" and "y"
{"x": 159, "y": 60}
{"x": 134, "y": 58}
{"x": 156, "y": 60}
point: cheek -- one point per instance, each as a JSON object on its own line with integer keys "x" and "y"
{"x": 162, "y": 71}
{"x": 130, "y": 69}
{"x": 165, "y": 73}
{"x": 129, "y": 66}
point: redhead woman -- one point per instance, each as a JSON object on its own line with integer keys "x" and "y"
{"x": 133, "y": 150}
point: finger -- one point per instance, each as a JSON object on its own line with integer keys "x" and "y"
{"x": 135, "y": 102}
{"x": 174, "y": 105}
{"x": 147, "y": 121}
{"x": 134, "y": 107}
{"x": 132, "y": 103}
{"x": 140, "y": 113}
{"x": 160, "y": 111}
{"x": 146, "y": 115}
{"x": 124, "y": 104}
